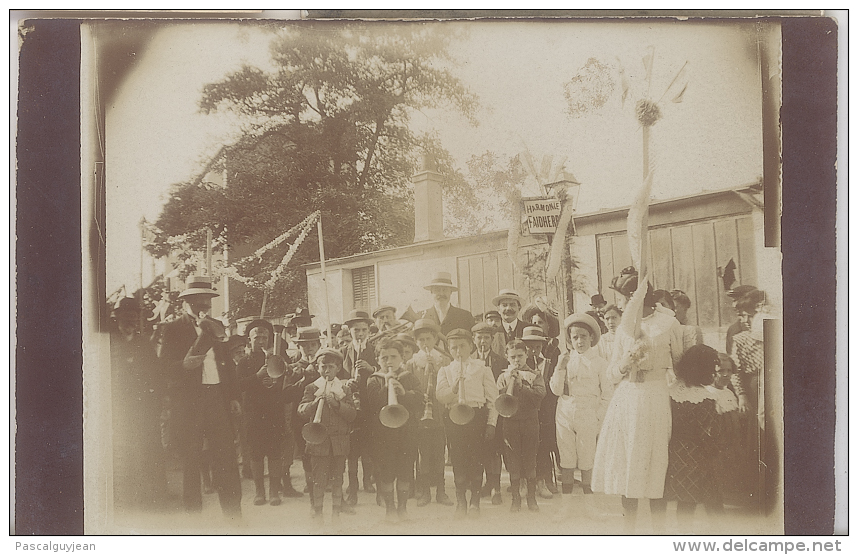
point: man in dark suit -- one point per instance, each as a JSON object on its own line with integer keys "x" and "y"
{"x": 509, "y": 303}
{"x": 448, "y": 317}
{"x": 197, "y": 361}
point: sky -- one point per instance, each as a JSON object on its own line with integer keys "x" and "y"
{"x": 711, "y": 140}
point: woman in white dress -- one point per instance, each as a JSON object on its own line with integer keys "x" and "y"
{"x": 632, "y": 452}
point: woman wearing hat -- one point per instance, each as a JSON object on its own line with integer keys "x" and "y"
{"x": 631, "y": 455}
{"x": 138, "y": 386}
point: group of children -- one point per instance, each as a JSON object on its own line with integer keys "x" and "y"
{"x": 404, "y": 402}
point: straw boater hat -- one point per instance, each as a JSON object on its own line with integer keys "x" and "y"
{"x": 259, "y": 323}
{"x": 199, "y": 285}
{"x": 308, "y": 335}
{"x": 328, "y": 351}
{"x": 382, "y": 308}
{"x": 441, "y": 279}
{"x": 507, "y": 294}
{"x": 426, "y": 324}
{"x": 358, "y": 316}
{"x": 587, "y": 320}
{"x": 533, "y": 333}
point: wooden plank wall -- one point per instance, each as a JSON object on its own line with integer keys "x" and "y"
{"x": 688, "y": 257}
{"x": 480, "y": 277}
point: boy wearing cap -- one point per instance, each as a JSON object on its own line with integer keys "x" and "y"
{"x": 394, "y": 444}
{"x": 263, "y": 412}
{"x": 508, "y": 303}
{"x": 358, "y": 365}
{"x": 493, "y": 318}
{"x": 196, "y": 359}
{"x": 584, "y": 390}
{"x": 521, "y": 429}
{"x": 328, "y": 458}
{"x": 300, "y": 374}
{"x": 447, "y": 317}
{"x": 430, "y": 434}
{"x": 484, "y": 336}
{"x": 471, "y": 381}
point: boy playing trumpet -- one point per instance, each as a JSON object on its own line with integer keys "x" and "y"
{"x": 393, "y": 426}
{"x": 328, "y": 456}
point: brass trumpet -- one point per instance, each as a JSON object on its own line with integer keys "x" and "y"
{"x": 393, "y": 415}
{"x": 401, "y": 328}
{"x": 460, "y": 413}
{"x": 275, "y": 365}
{"x": 315, "y": 432}
{"x": 506, "y": 404}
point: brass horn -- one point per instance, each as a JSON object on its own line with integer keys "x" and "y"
{"x": 393, "y": 415}
{"x": 460, "y": 413}
{"x": 315, "y": 432}
{"x": 390, "y": 332}
{"x": 275, "y": 365}
{"x": 506, "y": 404}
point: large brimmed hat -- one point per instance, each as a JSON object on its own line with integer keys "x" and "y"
{"x": 125, "y": 305}
{"x": 382, "y": 308}
{"x": 426, "y": 324}
{"x": 533, "y": 333}
{"x": 259, "y": 323}
{"x": 507, "y": 294}
{"x": 302, "y": 318}
{"x": 329, "y": 352}
{"x": 587, "y": 320}
{"x": 357, "y": 316}
{"x": 199, "y": 285}
{"x": 441, "y": 279}
{"x": 308, "y": 335}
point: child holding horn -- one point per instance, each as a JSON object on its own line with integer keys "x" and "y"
{"x": 328, "y": 456}
{"x": 393, "y": 426}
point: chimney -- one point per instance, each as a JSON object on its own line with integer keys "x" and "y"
{"x": 428, "y": 214}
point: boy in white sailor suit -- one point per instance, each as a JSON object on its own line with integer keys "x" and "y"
{"x": 328, "y": 458}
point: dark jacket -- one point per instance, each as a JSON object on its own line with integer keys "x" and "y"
{"x": 457, "y": 318}
{"x": 178, "y": 338}
{"x": 518, "y": 331}
{"x": 529, "y": 395}
{"x": 376, "y": 399}
{"x": 337, "y": 422}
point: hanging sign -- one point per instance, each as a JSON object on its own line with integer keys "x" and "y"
{"x": 542, "y": 214}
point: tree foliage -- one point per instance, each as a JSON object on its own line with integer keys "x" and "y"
{"x": 327, "y": 130}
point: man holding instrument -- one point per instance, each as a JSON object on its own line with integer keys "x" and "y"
{"x": 468, "y": 389}
{"x": 358, "y": 365}
{"x": 196, "y": 358}
{"x": 263, "y": 411}
{"x": 328, "y": 401}
{"x": 484, "y": 336}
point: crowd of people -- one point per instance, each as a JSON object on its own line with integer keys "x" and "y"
{"x": 639, "y": 407}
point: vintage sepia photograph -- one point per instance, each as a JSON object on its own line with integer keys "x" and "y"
{"x": 479, "y": 277}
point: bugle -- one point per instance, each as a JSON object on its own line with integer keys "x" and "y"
{"x": 506, "y": 404}
{"x": 393, "y": 415}
{"x": 428, "y": 420}
{"x": 212, "y": 332}
{"x": 315, "y": 432}
{"x": 275, "y": 364}
{"x": 460, "y": 413}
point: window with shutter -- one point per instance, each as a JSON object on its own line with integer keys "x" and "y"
{"x": 363, "y": 287}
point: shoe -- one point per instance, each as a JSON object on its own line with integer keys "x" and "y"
{"x": 275, "y": 499}
{"x": 288, "y": 490}
{"x": 368, "y": 487}
{"x": 487, "y": 491}
{"x": 552, "y": 487}
{"x": 542, "y": 491}
{"x": 259, "y": 500}
{"x": 402, "y": 506}
{"x": 317, "y": 515}
{"x": 531, "y": 495}
{"x": 351, "y": 497}
{"x": 497, "y": 499}
{"x": 516, "y": 504}
{"x": 424, "y": 497}
{"x": 461, "y": 504}
{"x": 442, "y": 498}
{"x": 474, "y": 509}
{"x": 347, "y": 510}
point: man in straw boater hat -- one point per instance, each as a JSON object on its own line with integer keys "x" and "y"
{"x": 358, "y": 365}
{"x": 447, "y": 317}
{"x": 509, "y": 304}
{"x": 195, "y": 357}
{"x": 299, "y": 375}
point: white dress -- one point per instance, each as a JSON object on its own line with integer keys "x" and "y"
{"x": 631, "y": 454}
